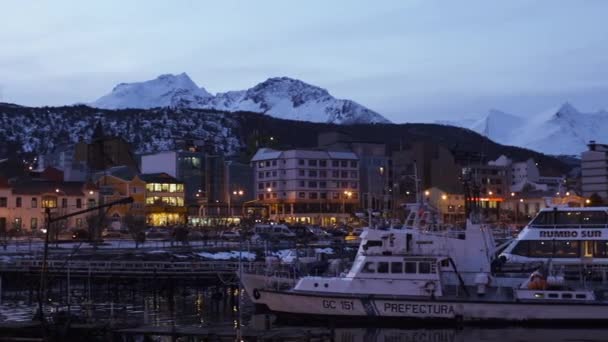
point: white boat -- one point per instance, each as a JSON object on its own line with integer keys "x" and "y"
{"x": 418, "y": 274}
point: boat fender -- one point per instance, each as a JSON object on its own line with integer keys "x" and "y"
{"x": 256, "y": 294}
{"x": 430, "y": 287}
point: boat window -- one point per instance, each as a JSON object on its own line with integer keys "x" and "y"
{"x": 567, "y": 295}
{"x": 540, "y": 249}
{"x": 383, "y": 267}
{"x": 572, "y": 218}
{"x": 581, "y": 296}
{"x": 566, "y": 249}
{"x": 396, "y": 267}
{"x": 543, "y": 218}
{"x": 372, "y": 243}
{"x": 521, "y": 248}
{"x": 552, "y": 295}
{"x": 410, "y": 267}
{"x": 369, "y": 267}
{"x": 600, "y": 249}
{"x": 424, "y": 267}
{"x": 593, "y": 218}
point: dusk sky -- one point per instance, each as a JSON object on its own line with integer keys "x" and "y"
{"x": 408, "y": 60}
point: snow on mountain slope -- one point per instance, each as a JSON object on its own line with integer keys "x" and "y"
{"x": 558, "y": 131}
{"x": 280, "y": 97}
{"x": 164, "y": 91}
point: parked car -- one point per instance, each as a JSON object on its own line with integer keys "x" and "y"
{"x": 274, "y": 230}
{"x": 158, "y": 233}
{"x": 230, "y": 235}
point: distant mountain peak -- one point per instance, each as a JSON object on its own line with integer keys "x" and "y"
{"x": 567, "y": 109}
{"x": 282, "y": 97}
{"x": 561, "y": 131}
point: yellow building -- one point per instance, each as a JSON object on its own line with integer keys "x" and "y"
{"x": 118, "y": 183}
{"x": 164, "y": 200}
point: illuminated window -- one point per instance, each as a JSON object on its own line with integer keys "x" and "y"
{"x": 165, "y": 187}
{"x": 150, "y": 187}
{"x": 49, "y": 202}
{"x": 157, "y": 187}
{"x": 172, "y": 187}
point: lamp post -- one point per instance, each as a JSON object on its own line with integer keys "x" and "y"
{"x": 238, "y": 193}
{"x": 269, "y": 190}
{"x": 42, "y": 290}
{"x": 345, "y": 194}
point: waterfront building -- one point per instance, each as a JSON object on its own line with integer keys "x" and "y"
{"x": 23, "y": 204}
{"x": 165, "y": 199}
{"x": 188, "y": 166}
{"x": 117, "y": 183}
{"x": 375, "y": 171}
{"x": 522, "y": 207}
{"x": 527, "y": 174}
{"x": 307, "y": 185}
{"x": 433, "y": 165}
{"x": 449, "y": 205}
{"x": 594, "y": 170}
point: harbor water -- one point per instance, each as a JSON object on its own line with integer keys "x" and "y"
{"x": 218, "y": 306}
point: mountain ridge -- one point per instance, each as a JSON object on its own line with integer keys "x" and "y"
{"x": 562, "y": 130}
{"x": 281, "y": 97}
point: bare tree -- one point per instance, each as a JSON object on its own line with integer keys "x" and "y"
{"x": 137, "y": 227}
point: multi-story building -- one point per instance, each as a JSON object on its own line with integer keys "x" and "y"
{"x": 22, "y": 205}
{"x": 526, "y": 175}
{"x": 432, "y": 164}
{"x": 449, "y": 206}
{"x": 165, "y": 199}
{"x": 313, "y": 186}
{"x": 187, "y": 166}
{"x": 594, "y": 170}
{"x": 375, "y": 171}
{"x": 117, "y": 183}
{"x": 104, "y": 151}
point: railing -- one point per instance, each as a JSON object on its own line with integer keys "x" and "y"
{"x": 127, "y": 267}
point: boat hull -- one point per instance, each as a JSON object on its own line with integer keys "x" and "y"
{"x": 293, "y": 303}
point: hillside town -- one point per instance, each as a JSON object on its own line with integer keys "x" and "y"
{"x": 332, "y": 185}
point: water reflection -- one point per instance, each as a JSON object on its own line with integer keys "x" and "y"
{"x": 219, "y": 306}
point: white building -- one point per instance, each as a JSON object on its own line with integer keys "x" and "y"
{"x": 312, "y": 186}
{"x": 594, "y": 170}
{"x": 526, "y": 174}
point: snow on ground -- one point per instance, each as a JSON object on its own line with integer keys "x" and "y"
{"x": 228, "y": 255}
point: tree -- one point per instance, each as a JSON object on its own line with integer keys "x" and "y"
{"x": 95, "y": 222}
{"x": 137, "y": 228}
{"x": 595, "y": 200}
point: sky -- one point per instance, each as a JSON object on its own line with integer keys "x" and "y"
{"x": 411, "y": 61}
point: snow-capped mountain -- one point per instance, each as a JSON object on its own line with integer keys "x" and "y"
{"x": 163, "y": 91}
{"x": 280, "y": 97}
{"x": 558, "y": 131}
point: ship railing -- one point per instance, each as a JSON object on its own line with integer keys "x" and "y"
{"x": 567, "y": 226}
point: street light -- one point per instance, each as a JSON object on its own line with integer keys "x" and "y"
{"x": 234, "y": 193}
{"x": 346, "y": 194}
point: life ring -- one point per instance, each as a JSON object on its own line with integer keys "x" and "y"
{"x": 430, "y": 287}
{"x": 256, "y": 294}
